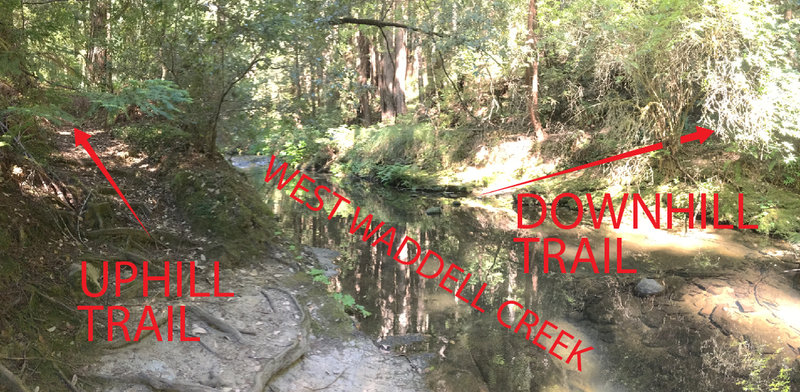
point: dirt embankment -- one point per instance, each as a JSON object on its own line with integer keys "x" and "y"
{"x": 62, "y": 211}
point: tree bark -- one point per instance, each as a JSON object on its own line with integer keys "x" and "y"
{"x": 98, "y": 67}
{"x": 432, "y": 82}
{"x": 401, "y": 65}
{"x": 364, "y": 77}
{"x": 386, "y": 81}
{"x": 419, "y": 69}
{"x": 298, "y": 72}
{"x": 532, "y": 74}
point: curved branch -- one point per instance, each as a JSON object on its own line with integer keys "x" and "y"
{"x": 380, "y": 23}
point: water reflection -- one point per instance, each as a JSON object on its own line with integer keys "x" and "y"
{"x": 412, "y": 314}
{"x": 472, "y": 351}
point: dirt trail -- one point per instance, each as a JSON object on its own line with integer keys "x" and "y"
{"x": 244, "y": 340}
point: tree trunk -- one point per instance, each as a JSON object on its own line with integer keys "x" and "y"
{"x": 386, "y": 81}
{"x": 364, "y": 76}
{"x": 401, "y": 65}
{"x": 312, "y": 87}
{"x": 211, "y": 144}
{"x": 532, "y": 75}
{"x": 98, "y": 67}
{"x": 419, "y": 69}
{"x": 298, "y": 86}
{"x": 432, "y": 90}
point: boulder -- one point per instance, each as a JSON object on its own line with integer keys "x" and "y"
{"x": 434, "y": 211}
{"x": 647, "y": 287}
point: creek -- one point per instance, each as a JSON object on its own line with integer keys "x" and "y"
{"x": 636, "y": 339}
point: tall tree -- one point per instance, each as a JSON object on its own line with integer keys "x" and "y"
{"x": 401, "y": 66}
{"x": 364, "y": 76}
{"x": 98, "y": 61}
{"x": 387, "y": 78}
{"x": 532, "y": 73}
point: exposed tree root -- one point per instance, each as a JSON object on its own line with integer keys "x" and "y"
{"x": 289, "y": 355}
{"x": 216, "y": 322}
{"x": 284, "y": 359}
{"x": 159, "y": 384}
{"x": 296, "y": 349}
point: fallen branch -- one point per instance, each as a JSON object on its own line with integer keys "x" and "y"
{"x": 78, "y": 217}
{"x": 11, "y": 381}
{"x": 132, "y": 232}
{"x": 69, "y": 309}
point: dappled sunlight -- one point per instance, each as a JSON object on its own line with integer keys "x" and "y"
{"x": 724, "y": 243}
{"x": 504, "y": 163}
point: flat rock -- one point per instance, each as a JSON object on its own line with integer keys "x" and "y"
{"x": 647, "y": 287}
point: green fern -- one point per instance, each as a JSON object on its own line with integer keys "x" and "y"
{"x": 155, "y": 98}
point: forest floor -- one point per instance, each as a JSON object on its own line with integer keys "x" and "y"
{"x": 63, "y": 211}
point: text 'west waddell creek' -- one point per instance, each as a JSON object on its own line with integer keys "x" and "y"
{"x": 545, "y": 335}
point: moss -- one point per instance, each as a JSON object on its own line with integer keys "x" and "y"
{"x": 776, "y": 211}
{"x": 217, "y": 200}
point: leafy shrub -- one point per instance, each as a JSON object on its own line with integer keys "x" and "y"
{"x": 295, "y": 144}
{"x": 346, "y": 301}
{"x": 396, "y": 175}
{"x": 350, "y": 305}
{"x": 155, "y": 98}
{"x": 318, "y": 276}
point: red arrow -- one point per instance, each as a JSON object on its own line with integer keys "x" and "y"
{"x": 82, "y": 138}
{"x": 701, "y": 134}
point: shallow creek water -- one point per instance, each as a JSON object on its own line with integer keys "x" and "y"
{"x": 462, "y": 349}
